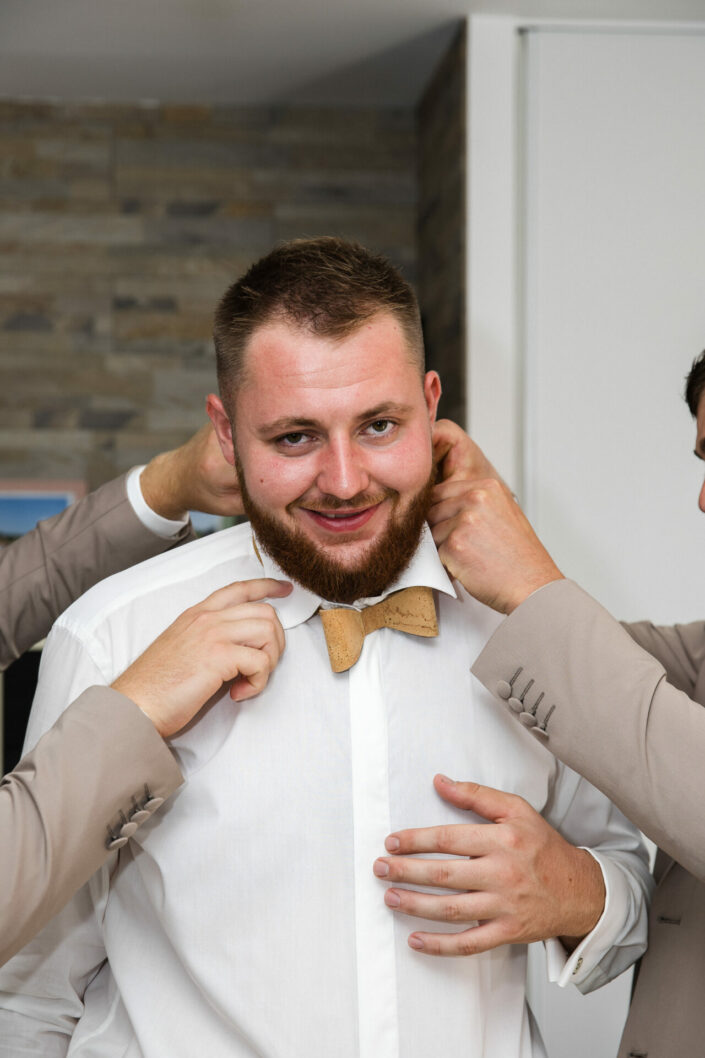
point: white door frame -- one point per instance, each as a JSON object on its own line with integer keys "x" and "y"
{"x": 496, "y": 235}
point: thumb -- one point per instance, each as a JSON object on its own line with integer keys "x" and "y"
{"x": 484, "y": 801}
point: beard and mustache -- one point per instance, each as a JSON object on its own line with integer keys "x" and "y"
{"x": 316, "y": 568}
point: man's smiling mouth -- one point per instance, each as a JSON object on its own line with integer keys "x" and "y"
{"x": 337, "y": 521}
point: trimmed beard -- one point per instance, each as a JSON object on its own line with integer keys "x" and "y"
{"x": 310, "y": 565}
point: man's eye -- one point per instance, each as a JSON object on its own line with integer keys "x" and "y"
{"x": 292, "y": 439}
{"x": 380, "y": 427}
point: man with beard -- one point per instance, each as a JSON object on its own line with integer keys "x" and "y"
{"x": 250, "y": 922}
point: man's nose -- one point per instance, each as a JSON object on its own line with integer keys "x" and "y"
{"x": 342, "y": 471}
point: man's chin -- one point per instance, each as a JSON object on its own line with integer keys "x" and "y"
{"x": 346, "y": 567}
{"x": 346, "y": 550}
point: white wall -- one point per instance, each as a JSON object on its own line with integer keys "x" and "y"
{"x": 587, "y": 161}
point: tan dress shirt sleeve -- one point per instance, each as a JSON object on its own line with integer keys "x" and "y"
{"x": 564, "y": 667}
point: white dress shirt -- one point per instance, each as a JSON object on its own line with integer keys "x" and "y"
{"x": 245, "y": 921}
{"x": 156, "y": 523}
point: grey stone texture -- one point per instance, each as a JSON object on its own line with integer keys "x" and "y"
{"x": 121, "y": 226}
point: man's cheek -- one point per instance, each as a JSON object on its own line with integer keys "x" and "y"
{"x": 276, "y": 482}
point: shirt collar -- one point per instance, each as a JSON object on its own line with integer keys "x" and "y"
{"x": 425, "y": 568}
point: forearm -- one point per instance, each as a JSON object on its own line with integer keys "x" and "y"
{"x": 607, "y": 711}
{"x": 86, "y": 776}
{"x": 43, "y": 572}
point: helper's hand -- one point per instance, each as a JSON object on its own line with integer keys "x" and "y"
{"x": 457, "y": 457}
{"x": 487, "y": 543}
{"x": 231, "y": 635}
{"x": 194, "y": 477}
{"x": 516, "y": 876}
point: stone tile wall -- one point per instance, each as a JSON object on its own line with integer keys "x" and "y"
{"x": 441, "y": 225}
{"x": 120, "y": 226}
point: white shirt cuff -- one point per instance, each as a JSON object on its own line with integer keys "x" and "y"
{"x": 164, "y": 527}
{"x": 573, "y": 968}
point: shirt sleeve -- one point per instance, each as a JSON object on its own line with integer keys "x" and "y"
{"x": 166, "y": 528}
{"x": 587, "y": 819}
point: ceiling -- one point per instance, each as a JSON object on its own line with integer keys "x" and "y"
{"x": 256, "y": 52}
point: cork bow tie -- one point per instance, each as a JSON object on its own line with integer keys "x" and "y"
{"x": 410, "y": 610}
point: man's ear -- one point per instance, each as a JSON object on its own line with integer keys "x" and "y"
{"x": 221, "y": 424}
{"x": 432, "y": 394}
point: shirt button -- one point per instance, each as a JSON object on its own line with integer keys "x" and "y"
{"x": 578, "y": 964}
{"x": 504, "y": 689}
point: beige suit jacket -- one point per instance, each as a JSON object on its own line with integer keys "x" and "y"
{"x": 103, "y": 764}
{"x": 634, "y": 725}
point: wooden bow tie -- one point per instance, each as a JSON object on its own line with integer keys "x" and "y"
{"x": 410, "y": 610}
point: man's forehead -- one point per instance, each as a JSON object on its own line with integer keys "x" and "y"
{"x": 284, "y": 339}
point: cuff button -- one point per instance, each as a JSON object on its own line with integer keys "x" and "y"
{"x": 528, "y": 719}
{"x": 504, "y": 689}
{"x": 154, "y": 803}
{"x": 117, "y": 843}
{"x": 139, "y": 816}
{"x": 515, "y": 705}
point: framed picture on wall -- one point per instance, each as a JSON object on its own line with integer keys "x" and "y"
{"x": 26, "y": 501}
{"x": 23, "y": 503}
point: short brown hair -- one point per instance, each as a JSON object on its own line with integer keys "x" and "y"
{"x": 326, "y": 285}
{"x": 695, "y": 384}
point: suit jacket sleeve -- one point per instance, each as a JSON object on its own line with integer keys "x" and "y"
{"x": 43, "y": 572}
{"x": 567, "y": 669}
{"x": 99, "y": 766}
{"x": 103, "y": 760}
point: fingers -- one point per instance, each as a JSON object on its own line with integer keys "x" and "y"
{"x": 231, "y": 637}
{"x": 455, "y": 839}
{"x": 253, "y": 625}
{"x": 485, "y": 801}
{"x": 469, "y": 942}
{"x": 457, "y": 455}
{"x": 461, "y": 839}
{"x": 245, "y": 591}
{"x": 456, "y": 908}
{"x": 460, "y": 874}
{"x": 254, "y": 669}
